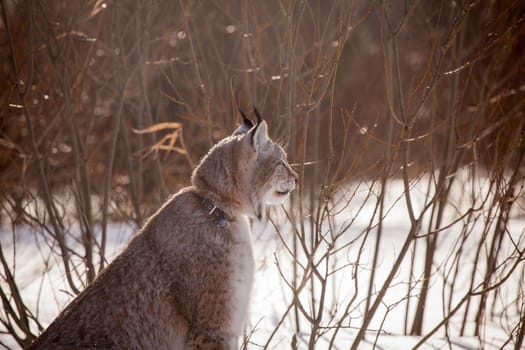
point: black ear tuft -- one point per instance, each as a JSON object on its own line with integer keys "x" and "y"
{"x": 257, "y": 115}
{"x": 246, "y": 125}
{"x": 245, "y": 119}
{"x": 259, "y": 120}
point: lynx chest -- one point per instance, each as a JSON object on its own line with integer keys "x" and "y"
{"x": 242, "y": 271}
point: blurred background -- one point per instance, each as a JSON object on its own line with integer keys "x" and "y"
{"x": 87, "y": 76}
{"x": 107, "y": 106}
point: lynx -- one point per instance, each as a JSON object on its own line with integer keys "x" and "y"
{"x": 184, "y": 281}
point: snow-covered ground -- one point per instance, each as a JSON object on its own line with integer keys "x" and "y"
{"x": 353, "y": 264}
{"x": 43, "y": 284}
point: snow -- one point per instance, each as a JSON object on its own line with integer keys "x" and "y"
{"x": 43, "y": 285}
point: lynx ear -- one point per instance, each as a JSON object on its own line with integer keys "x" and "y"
{"x": 260, "y": 132}
{"x": 260, "y": 136}
{"x": 245, "y": 126}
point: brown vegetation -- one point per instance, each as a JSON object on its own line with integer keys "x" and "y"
{"x": 110, "y": 104}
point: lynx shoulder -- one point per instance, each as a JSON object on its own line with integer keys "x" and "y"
{"x": 184, "y": 280}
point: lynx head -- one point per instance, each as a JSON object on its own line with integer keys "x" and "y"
{"x": 245, "y": 171}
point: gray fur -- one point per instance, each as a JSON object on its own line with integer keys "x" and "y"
{"x": 184, "y": 280}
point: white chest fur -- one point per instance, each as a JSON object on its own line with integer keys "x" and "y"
{"x": 242, "y": 274}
